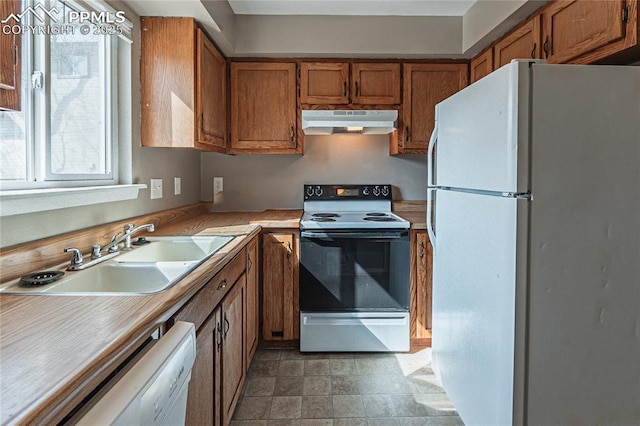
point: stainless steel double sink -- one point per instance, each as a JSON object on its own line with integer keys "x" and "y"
{"x": 149, "y": 268}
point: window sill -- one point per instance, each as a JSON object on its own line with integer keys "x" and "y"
{"x": 16, "y": 202}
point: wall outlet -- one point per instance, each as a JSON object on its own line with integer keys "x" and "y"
{"x": 156, "y": 188}
{"x": 177, "y": 185}
{"x": 217, "y": 190}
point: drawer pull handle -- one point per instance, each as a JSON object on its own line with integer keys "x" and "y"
{"x": 421, "y": 249}
{"x": 288, "y": 250}
{"x": 223, "y": 284}
{"x": 250, "y": 263}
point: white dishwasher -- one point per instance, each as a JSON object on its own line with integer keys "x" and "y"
{"x": 153, "y": 391}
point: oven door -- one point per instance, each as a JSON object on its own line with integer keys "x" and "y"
{"x": 356, "y": 270}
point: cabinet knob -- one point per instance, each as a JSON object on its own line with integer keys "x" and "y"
{"x": 223, "y": 284}
{"x": 288, "y": 249}
{"x": 293, "y": 133}
{"x": 421, "y": 249}
{"x": 533, "y": 51}
{"x": 249, "y": 262}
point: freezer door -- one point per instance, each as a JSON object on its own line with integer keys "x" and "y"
{"x": 474, "y": 303}
{"x": 483, "y": 133}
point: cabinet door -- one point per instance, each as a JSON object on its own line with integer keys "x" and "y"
{"x": 481, "y": 65}
{"x": 421, "y": 308}
{"x": 252, "y": 302}
{"x": 167, "y": 80}
{"x": 373, "y": 84}
{"x": 280, "y": 309}
{"x": 424, "y": 86}
{"x": 204, "y": 398}
{"x": 522, "y": 43}
{"x": 324, "y": 83}
{"x": 578, "y": 27}
{"x": 233, "y": 347}
{"x": 10, "y": 64}
{"x": 263, "y": 108}
{"x": 211, "y": 96}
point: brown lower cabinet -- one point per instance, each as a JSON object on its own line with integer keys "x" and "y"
{"x": 233, "y": 348}
{"x": 280, "y": 307}
{"x": 220, "y": 311}
{"x": 421, "y": 287}
{"x": 252, "y": 301}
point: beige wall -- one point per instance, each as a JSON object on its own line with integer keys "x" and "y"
{"x": 347, "y": 36}
{"x": 165, "y": 163}
{"x": 258, "y": 182}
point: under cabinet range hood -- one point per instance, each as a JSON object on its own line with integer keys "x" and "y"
{"x": 368, "y": 122}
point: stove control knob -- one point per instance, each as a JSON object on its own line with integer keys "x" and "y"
{"x": 365, "y": 191}
{"x": 310, "y": 191}
{"x": 385, "y": 190}
{"x": 319, "y": 191}
{"x": 376, "y": 191}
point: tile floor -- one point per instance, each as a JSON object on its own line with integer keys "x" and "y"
{"x": 285, "y": 387}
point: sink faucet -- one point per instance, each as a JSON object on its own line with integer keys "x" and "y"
{"x": 77, "y": 262}
{"x": 129, "y": 231}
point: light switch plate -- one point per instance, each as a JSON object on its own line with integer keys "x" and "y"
{"x": 177, "y": 185}
{"x": 156, "y": 188}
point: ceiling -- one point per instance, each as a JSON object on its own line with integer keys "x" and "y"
{"x": 347, "y": 28}
{"x": 352, "y": 7}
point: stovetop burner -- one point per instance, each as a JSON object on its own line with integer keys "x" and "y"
{"x": 380, "y": 219}
{"x": 376, "y": 214}
{"x": 323, "y": 219}
{"x": 325, "y": 215}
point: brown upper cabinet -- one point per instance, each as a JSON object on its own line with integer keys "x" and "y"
{"x": 263, "y": 108}
{"x": 584, "y": 31}
{"x": 570, "y": 31}
{"x": 424, "y": 86}
{"x": 522, "y": 43}
{"x": 324, "y": 83}
{"x": 342, "y": 83}
{"x": 481, "y": 65}
{"x": 183, "y": 80}
{"x": 10, "y": 61}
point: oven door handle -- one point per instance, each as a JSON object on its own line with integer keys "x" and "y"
{"x": 330, "y": 236}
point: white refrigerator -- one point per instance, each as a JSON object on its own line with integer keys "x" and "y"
{"x": 534, "y": 201}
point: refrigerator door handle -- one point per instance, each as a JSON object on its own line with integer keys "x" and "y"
{"x": 430, "y": 210}
{"x": 432, "y": 144}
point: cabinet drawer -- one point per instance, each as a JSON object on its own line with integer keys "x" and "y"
{"x": 200, "y": 306}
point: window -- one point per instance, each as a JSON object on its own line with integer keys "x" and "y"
{"x": 66, "y": 132}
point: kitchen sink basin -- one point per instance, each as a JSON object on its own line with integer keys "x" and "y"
{"x": 113, "y": 278}
{"x": 149, "y": 268}
{"x": 174, "y": 249}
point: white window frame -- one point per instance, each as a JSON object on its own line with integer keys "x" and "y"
{"x": 61, "y": 191}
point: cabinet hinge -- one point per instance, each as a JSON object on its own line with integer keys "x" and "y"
{"x": 625, "y": 14}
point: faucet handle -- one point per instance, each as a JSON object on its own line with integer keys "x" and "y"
{"x": 96, "y": 251}
{"x": 128, "y": 227}
{"x": 76, "y": 260}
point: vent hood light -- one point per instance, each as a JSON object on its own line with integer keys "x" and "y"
{"x": 366, "y": 122}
